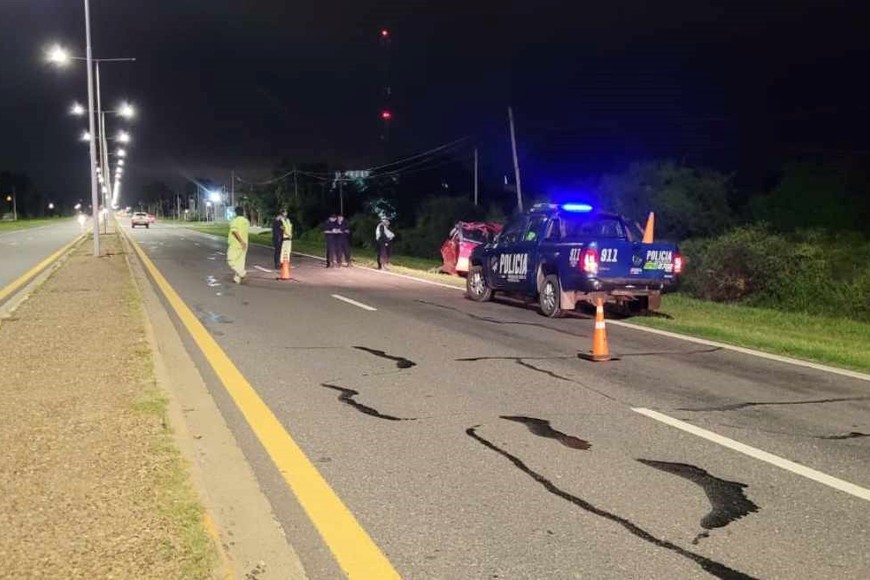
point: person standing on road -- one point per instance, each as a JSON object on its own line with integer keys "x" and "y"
{"x": 278, "y": 235}
{"x": 237, "y": 245}
{"x": 343, "y": 241}
{"x": 384, "y": 239}
{"x": 331, "y": 232}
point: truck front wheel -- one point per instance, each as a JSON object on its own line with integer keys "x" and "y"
{"x": 476, "y": 287}
{"x": 550, "y": 297}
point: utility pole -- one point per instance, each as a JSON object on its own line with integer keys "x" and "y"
{"x": 341, "y": 196}
{"x": 516, "y": 161}
{"x": 296, "y": 186}
{"x": 475, "y": 176}
{"x": 233, "y": 188}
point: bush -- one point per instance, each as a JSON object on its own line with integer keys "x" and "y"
{"x": 809, "y": 271}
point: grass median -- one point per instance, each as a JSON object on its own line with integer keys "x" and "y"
{"x": 835, "y": 341}
{"x": 93, "y": 484}
{"x": 23, "y": 224}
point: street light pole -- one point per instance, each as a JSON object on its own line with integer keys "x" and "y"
{"x": 95, "y": 202}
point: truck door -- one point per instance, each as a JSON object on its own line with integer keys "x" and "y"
{"x": 505, "y": 261}
{"x": 526, "y": 255}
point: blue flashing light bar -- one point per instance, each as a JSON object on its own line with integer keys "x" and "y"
{"x": 577, "y": 207}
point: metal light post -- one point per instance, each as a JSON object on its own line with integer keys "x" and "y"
{"x": 95, "y": 201}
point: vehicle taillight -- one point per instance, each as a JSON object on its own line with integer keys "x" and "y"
{"x": 590, "y": 261}
{"x": 678, "y": 263}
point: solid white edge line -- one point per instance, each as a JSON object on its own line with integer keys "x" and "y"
{"x": 749, "y": 351}
{"x": 780, "y": 462}
{"x": 354, "y": 302}
{"x": 388, "y": 273}
{"x": 725, "y": 346}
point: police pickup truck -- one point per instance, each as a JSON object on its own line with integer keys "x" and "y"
{"x": 569, "y": 253}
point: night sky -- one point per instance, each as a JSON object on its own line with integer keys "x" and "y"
{"x": 232, "y": 84}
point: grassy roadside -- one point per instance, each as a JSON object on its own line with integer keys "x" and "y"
{"x": 27, "y": 223}
{"x": 835, "y": 341}
{"x": 193, "y": 547}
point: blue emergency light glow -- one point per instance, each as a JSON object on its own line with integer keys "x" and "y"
{"x": 577, "y": 207}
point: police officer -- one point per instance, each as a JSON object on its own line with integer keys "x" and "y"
{"x": 278, "y": 235}
{"x": 330, "y": 232}
{"x": 343, "y": 239}
{"x": 384, "y": 239}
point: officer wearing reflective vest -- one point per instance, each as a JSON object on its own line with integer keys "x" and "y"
{"x": 282, "y": 236}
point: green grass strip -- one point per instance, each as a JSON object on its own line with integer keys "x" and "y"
{"x": 835, "y": 341}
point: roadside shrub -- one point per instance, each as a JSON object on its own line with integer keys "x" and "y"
{"x": 435, "y": 219}
{"x": 809, "y": 271}
{"x": 362, "y": 229}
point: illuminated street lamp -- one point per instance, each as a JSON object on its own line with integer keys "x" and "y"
{"x": 126, "y": 110}
{"x": 77, "y": 109}
{"x": 122, "y": 153}
{"x": 123, "y": 137}
{"x": 86, "y": 136}
{"x": 120, "y": 163}
{"x": 60, "y": 57}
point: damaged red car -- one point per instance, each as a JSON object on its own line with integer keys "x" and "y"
{"x": 464, "y": 237}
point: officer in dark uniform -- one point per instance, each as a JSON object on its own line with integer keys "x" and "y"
{"x": 278, "y": 235}
{"x": 343, "y": 241}
{"x": 331, "y": 231}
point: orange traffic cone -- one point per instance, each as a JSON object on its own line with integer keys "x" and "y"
{"x": 600, "y": 350}
{"x": 649, "y": 229}
{"x": 285, "y": 270}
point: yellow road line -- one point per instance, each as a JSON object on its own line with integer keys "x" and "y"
{"x": 354, "y": 550}
{"x": 34, "y": 271}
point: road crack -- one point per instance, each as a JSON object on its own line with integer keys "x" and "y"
{"x": 347, "y": 397}
{"x": 401, "y": 362}
{"x": 715, "y": 568}
{"x": 541, "y": 428}
{"x": 736, "y": 406}
{"x": 727, "y": 500}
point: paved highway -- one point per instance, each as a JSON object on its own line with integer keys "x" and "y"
{"x": 24, "y": 249}
{"x": 470, "y": 442}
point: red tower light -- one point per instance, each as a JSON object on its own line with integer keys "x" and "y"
{"x": 386, "y": 115}
{"x": 385, "y": 33}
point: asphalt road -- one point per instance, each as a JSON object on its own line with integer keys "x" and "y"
{"x": 477, "y": 445}
{"x": 24, "y": 249}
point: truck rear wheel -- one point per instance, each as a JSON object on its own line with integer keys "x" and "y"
{"x": 476, "y": 287}
{"x": 550, "y": 297}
